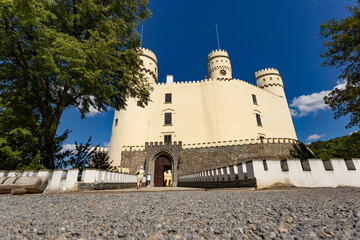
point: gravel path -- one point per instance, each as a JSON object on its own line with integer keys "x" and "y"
{"x": 220, "y": 214}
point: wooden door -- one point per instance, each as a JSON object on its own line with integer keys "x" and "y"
{"x": 161, "y": 164}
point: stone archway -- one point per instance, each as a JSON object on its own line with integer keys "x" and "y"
{"x": 150, "y": 164}
{"x": 162, "y": 164}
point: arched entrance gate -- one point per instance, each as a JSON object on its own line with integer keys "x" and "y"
{"x": 162, "y": 166}
{"x": 161, "y": 158}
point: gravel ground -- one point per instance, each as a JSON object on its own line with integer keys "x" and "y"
{"x": 221, "y": 214}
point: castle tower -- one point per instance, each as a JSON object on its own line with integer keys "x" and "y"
{"x": 219, "y": 65}
{"x": 150, "y": 66}
{"x": 122, "y": 133}
{"x": 270, "y": 80}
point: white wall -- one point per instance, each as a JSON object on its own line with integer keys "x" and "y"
{"x": 317, "y": 177}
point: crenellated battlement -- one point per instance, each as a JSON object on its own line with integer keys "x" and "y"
{"x": 207, "y": 80}
{"x": 148, "y": 52}
{"x": 161, "y": 144}
{"x": 100, "y": 149}
{"x": 210, "y": 144}
{"x": 216, "y": 53}
{"x": 266, "y": 71}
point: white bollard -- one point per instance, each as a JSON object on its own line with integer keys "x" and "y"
{"x": 45, "y": 174}
{"x": 71, "y": 180}
{"x": 56, "y": 180}
{"x": 88, "y": 175}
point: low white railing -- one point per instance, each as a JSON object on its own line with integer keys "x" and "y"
{"x": 67, "y": 180}
{"x": 306, "y": 173}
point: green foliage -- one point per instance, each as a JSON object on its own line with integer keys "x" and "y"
{"x": 301, "y": 151}
{"x": 55, "y": 54}
{"x": 343, "y": 51}
{"x": 19, "y": 136}
{"x": 100, "y": 160}
{"x": 80, "y": 158}
{"x": 346, "y": 147}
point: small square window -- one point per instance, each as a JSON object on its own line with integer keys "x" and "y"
{"x": 116, "y": 122}
{"x": 258, "y": 119}
{"x": 167, "y": 97}
{"x": 167, "y": 139}
{"x": 139, "y": 104}
{"x": 284, "y": 165}
{"x": 168, "y": 119}
{"x": 254, "y": 99}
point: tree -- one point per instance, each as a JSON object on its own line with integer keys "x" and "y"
{"x": 343, "y": 51}
{"x": 80, "y": 158}
{"x": 55, "y": 54}
{"x": 100, "y": 160}
{"x": 301, "y": 151}
{"x": 346, "y": 147}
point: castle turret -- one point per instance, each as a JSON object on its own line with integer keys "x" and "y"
{"x": 123, "y": 132}
{"x": 219, "y": 65}
{"x": 150, "y": 66}
{"x": 270, "y": 80}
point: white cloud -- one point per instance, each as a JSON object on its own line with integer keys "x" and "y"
{"x": 306, "y": 104}
{"x": 315, "y": 137}
{"x": 92, "y": 112}
{"x": 68, "y": 147}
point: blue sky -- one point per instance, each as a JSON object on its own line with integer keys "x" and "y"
{"x": 283, "y": 34}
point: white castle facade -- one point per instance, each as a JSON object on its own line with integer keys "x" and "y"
{"x": 214, "y": 110}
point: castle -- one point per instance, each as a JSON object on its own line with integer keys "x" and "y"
{"x": 192, "y": 126}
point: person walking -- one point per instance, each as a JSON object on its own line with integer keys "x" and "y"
{"x": 140, "y": 176}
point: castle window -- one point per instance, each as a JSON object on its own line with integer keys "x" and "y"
{"x": 116, "y": 122}
{"x": 139, "y": 104}
{"x": 168, "y": 119}
{"x": 264, "y": 79}
{"x": 265, "y": 165}
{"x": 271, "y": 78}
{"x": 254, "y": 99}
{"x": 167, "y": 97}
{"x": 258, "y": 119}
{"x": 167, "y": 139}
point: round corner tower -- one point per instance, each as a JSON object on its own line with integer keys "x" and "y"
{"x": 128, "y": 130}
{"x": 219, "y": 65}
{"x": 270, "y": 80}
{"x": 150, "y": 65}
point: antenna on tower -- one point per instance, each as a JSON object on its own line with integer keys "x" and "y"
{"x": 217, "y": 36}
{"x": 142, "y": 32}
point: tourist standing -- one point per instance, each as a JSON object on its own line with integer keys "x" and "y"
{"x": 140, "y": 176}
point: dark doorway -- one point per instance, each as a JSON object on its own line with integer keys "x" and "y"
{"x": 162, "y": 164}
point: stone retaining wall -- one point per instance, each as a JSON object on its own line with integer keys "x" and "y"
{"x": 193, "y": 160}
